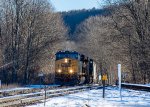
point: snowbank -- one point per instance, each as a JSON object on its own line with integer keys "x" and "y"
{"x": 93, "y": 98}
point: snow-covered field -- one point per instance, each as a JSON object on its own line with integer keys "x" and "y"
{"x": 93, "y": 98}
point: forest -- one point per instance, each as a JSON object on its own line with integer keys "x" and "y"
{"x": 75, "y": 17}
{"x": 31, "y": 32}
{"x": 120, "y": 33}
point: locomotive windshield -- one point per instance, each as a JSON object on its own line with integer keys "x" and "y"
{"x": 67, "y": 54}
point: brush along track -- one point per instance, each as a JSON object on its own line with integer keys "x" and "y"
{"x": 30, "y": 98}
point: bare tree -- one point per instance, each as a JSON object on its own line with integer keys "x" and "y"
{"x": 134, "y": 25}
{"x": 32, "y": 29}
{"x": 99, "y": 40}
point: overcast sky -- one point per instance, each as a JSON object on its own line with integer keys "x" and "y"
{"x": 65, "y": 5}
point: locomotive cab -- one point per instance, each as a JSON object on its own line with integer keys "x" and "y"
{"x": 71, "y": 68}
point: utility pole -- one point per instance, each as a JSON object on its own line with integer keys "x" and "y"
{"x": 45, "y": 95}
{"x": 103, "y": 82}
{"x": 104, "y": 78}
{"x": 119, "y": 76}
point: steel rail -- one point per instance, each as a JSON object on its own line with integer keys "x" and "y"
{"x": 26, "y": 99}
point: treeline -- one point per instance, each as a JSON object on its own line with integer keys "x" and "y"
{"x": 75, "y": 17}
{"x": 29, "y": 31}
{"x": 122, "y": 37}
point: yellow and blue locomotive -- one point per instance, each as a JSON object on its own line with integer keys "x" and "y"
{"x": 72, "y": 68}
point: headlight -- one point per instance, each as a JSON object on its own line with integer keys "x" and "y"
{"x": 71, "y": 71}
{"x": 66, "y": 60}
{"x": 59, "y": 70}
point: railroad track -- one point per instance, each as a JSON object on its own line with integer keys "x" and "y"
{"x": 30, "y": 98}
{"x": 136, "y": 86}
{"x": 12, "y": 92}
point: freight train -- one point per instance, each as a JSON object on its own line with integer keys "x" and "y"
{"x": 72, "y": 68}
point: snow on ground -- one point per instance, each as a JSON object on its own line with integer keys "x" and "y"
{"x": 142, "y": 85}
{"x": 42, "y": 86}
{"x": 148, "y": 84}
{"x": 13, "y": 89}
{"x": 27, "y": 87}
{"x": 93, "y": 98}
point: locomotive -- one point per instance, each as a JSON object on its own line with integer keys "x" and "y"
{"x": 72, "y": 68}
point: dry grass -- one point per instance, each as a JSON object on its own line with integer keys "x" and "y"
{"x": 5, "y": 86}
